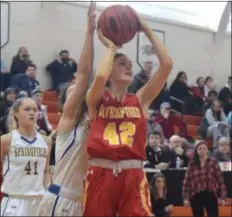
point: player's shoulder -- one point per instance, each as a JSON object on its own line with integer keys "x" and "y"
{"x": 6, "y": 138}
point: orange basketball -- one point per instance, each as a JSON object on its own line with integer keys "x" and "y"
{"x": 119, "y": 24}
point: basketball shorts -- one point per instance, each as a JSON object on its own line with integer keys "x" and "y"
{"x": 55, "y": 205}
{"x": 123, "y": 194}
{"x": 23, "y": 206}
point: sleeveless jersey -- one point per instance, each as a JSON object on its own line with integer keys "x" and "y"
{"x": 24, "y": 166}
{"x": 71, "y": 159}
{"x": 118, "y": 132}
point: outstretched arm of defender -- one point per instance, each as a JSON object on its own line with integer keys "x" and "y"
{"x": 150, "y": 91}
{"x": 85, "y": 69}
{"x": 101, "y": 77}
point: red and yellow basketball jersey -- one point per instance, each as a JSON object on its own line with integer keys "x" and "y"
{"x": 118, "y": 131}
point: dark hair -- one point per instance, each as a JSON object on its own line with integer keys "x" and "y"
{"x": 31, "y": 65}
{"x": 153, "y": 188}
{"x": 155, "y": 133}
{"x": 63, "y": 51}
{"x": 208, "y": 78}
{"x": 198, "y": 79}
{"x": 196, "y": 158}
{"x": 117, "y": 55}
{"x": 212, "y": 92}
{"x": 230, "y": 78}
{"x": 180, "y": 74}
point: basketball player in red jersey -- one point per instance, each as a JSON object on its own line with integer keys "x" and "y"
{"x": 115, "y": 182}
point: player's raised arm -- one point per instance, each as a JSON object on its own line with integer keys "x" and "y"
{"x": 101, "y": 77}
{"x": 150, "y": 91}
{"x": 84, "y": 73}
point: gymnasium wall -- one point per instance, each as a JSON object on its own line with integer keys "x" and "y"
{"x": 47, "y": 27}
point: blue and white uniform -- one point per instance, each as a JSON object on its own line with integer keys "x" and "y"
{"x": 23, "y": 171}
{"x": 65, "y": 195}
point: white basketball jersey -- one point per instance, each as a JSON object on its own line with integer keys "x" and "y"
{"x": 71, "y": 159}
{"x": 23, "y": 167}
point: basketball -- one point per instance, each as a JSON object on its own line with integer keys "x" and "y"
{"x": 119, "y": 24}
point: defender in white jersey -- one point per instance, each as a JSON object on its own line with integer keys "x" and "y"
{"x": 65, "y": 196}
{"x": 25, "y": 157}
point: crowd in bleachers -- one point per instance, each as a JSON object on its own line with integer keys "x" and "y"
{"x": 178, "y": 117}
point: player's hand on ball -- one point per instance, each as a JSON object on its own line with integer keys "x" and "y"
{"x": 91, "y": 18}
{"x": 105, "y": 41}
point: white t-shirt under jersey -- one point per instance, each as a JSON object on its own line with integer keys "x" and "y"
{"x": 71, "y": 159}
{"x": 24, "y": 165}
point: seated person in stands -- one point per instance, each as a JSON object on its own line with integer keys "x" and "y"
{"x": 209, "y": 85}
{"x": 168, "y": 121}
{"x": 225, "y": 96}
{"x": 214, "y": 123}
{"x": 155, "y": 152}
{"x": 153, "y": 126}
{"x": 179, "y": 90}
{"x": 212, "y": 95}
{"x": 199, "y": 92}
{"x": 175, "y": 153}
{"x": 43, "y": 124}
{"x": 62, "y": 71}
{"x": 160, "y": 205}
{"x": 223, "y": 153}
{"x": 26, "y": 82}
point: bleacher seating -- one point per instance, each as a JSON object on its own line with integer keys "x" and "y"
{"x": 181, "y": 211}
{"x": 52, "y": 106}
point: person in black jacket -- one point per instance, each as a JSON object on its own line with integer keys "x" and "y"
{"x": 155, "y": 152}
{"x": 62, "y": 71}
{"x": 20, "y": 62}
{"x": 225, "y": 96}
{"x": 176, "y": 152}
{"x": 159, "y": 202}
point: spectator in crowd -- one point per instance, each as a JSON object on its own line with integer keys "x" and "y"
{"x": 155, "y": 152}
{"x": 7, "y": 101}
{"x": 223, "y": 153}
{"x": 199, "y": 90}
{"x": 168, "y": 121}
{"x": 162, "y": 97}
{"x": 153, "y": 126}
{"x": 141, "y": 78}
{"x": 212, "y": 95}
{"x": 225, "y": 96}
{"x": 26, "y": 82}
{"x": 203, "y": 186}
{"x": 42, "y": 122}
{"x": 20, "y": 62}
{"x": 214, "y": 124}
{"x": 209, "y": 85}
{"x": 175, "y": 154}
{"x": 5, "y": 105}
{"x": 160, "y": 205}
{"x": 5, "y": 76}
{"x": 179, "y": 90}
{"x": 62, "y": 71}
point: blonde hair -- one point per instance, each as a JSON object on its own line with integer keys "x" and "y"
{"x": 11, "y": 123}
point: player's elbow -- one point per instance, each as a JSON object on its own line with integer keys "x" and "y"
{"x": 166, "y": 64}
